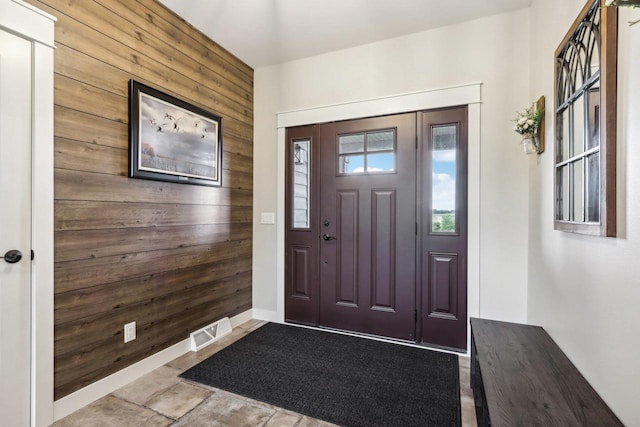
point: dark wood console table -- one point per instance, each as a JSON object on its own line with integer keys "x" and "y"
{"x": 520, "y": 377}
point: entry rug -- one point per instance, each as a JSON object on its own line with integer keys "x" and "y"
{"x": 341, "y": 379}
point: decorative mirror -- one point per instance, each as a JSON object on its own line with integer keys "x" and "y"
{"x": 585, "y": 123}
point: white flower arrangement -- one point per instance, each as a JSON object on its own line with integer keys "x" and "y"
{"x": 527, "y": 123}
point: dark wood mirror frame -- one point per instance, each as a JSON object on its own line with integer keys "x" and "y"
{"x": 606, "y": 223}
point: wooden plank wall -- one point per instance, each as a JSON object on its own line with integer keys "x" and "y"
{"x": 172, "y": 257}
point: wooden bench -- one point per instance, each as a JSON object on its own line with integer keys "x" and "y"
{"x": 520, "y": 377}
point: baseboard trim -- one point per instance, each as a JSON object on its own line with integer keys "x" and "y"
{"x": 266, "y": 315}
{"x": 241, "y": 318}
{"x": 93, "y": 392}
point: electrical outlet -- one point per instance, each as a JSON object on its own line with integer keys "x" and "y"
{"x": 129, "y": 332}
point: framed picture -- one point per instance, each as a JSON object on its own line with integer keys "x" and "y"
{"x": 172, "y": 140}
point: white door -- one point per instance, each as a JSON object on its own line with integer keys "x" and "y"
{"x": 15, "y": 229}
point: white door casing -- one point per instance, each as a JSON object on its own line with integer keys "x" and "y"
{"x": 26, "y": 213}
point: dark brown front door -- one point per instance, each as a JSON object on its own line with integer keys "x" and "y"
{"x": 367, "y": 226}
{"x": 443, "y": 243}
{"x": 376, "y": 221}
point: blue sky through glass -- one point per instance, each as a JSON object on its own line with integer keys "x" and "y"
{"x": 380, "y": 162}
{"x": 444, "y": 180}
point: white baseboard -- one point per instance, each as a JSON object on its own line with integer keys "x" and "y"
{"x": 94, "y": 391}
{"x": 267, "y": 315}
{"x": 241, "y": 318}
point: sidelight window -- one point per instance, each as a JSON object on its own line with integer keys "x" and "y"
{"x": 301, "y": 184}
{"x": 367, "y": 153}
{"x": 443, "y": 181}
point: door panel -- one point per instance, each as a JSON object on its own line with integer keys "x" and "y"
{"x": 443, "y": 253}
{"x": 15, "y": 209}
{"x": 348, "y": 262}
{"x": 442, "y": 285}
{"x": 302, "y": 259}
{"x": 383, "y": 246}
{"x": 367, "y": 253}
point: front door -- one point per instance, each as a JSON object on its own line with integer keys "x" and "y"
{"x": 368, "y": 226}
{"x": 376, "y": 226}
{"x": 15, "y": 231}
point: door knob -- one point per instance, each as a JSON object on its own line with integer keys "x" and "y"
{"x": 328, "y": 237}
{"x": 12, "y": 256}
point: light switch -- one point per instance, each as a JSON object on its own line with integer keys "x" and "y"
{"x": 267, "y": 218}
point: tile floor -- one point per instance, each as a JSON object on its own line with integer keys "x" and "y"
{"x": 161, "y": 398}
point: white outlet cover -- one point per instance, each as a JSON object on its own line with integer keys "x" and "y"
{"x": 267, "y": 218}
{"x": 129, "y": 332}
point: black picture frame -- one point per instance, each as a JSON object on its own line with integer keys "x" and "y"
{"x": 172, "y": 140}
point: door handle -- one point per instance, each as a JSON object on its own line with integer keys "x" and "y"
{"x": 12, "y": 256}
{"x": 326, "y": 237}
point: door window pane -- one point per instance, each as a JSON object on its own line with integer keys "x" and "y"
{"x": 301, "y": 184}
{"x": 382, "y": 162}
{"x": 351, "y": 143}
{"x": 351, "y": 164}
{"x": 443, "y": 173}
{"x": 380, "y": 141}
{"x": 367, "y": 153}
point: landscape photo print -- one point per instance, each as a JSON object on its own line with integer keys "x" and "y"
{"x": 172, "y": 140}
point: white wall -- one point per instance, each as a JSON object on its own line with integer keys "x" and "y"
{"x": 585, "y": 291}
{"x": 492, "y": 50}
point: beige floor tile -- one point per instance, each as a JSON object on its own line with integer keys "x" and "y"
{"x": 467, "y": 406}
{"x": 222, "y": 409}
{"x": 184, "y": 362}
{"x": 108, "y": 412}
{"x": 157, "y": 421}
{"x": 252, "y": 325}
{"x": 464, "y": 361}
{"x": 145, "y": 388}
{"x": 283, "y": 419}
{"x": 468, "y": 412}
{"x": 178, "y": 400}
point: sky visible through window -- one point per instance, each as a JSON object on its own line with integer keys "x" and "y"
{"x": 444, "y": 180}
{"x": 353, "y": 157}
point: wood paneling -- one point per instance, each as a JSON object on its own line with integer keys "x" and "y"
{"x": 172, "y": 257}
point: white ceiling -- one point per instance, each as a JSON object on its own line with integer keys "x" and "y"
{"x": 268, "y": 32}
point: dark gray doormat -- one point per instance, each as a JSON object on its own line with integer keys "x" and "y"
{"x": 342, "y": 379}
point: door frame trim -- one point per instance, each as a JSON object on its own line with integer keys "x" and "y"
{"x": 465, "y": 94}
{"x": 37, "y": 26}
